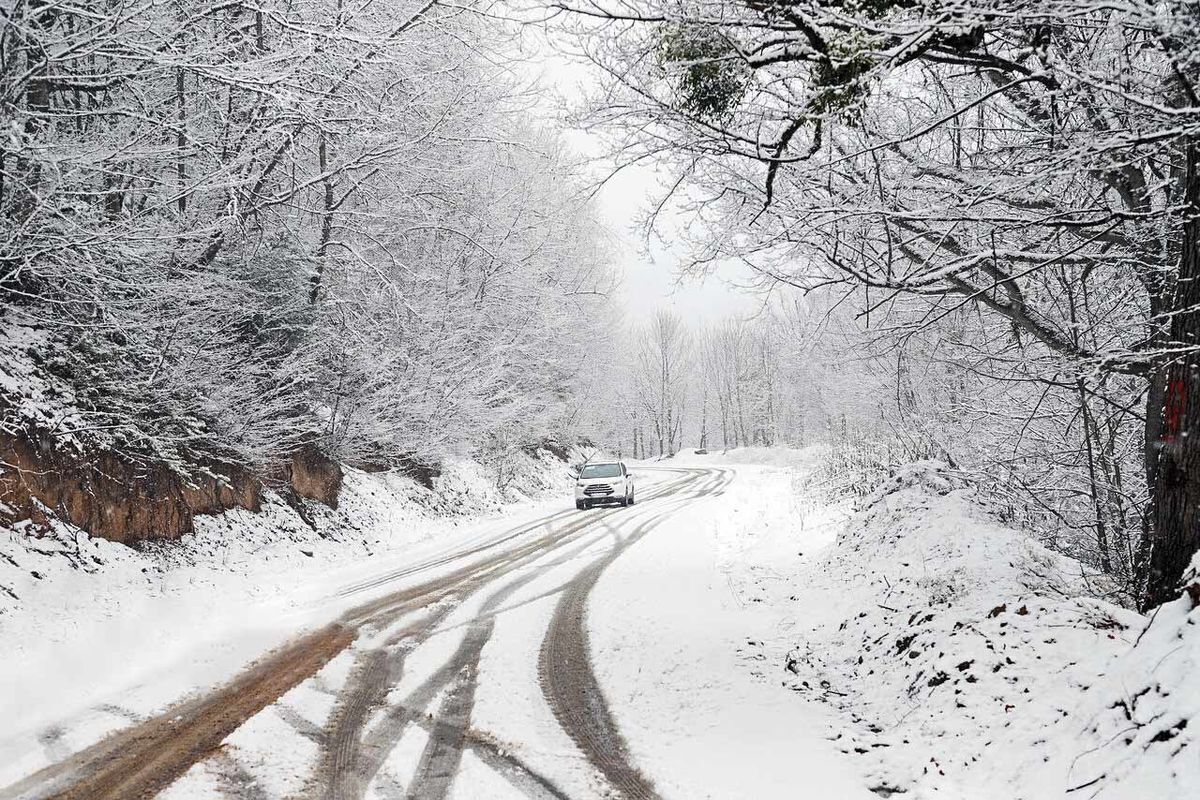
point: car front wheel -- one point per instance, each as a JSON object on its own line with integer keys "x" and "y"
{"x": 581, "y": 505}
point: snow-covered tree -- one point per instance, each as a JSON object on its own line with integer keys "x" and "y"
{"x": 247, "y": 226}
{"x": 1033, "y": 162}
{"x": 661, "y": 375}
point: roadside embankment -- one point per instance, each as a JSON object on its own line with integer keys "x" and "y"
{"x": 965, "y": 659}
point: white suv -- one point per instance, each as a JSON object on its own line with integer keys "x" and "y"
{"x": 603, "y": 482}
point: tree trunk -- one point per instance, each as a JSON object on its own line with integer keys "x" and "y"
{"x": 327, "y": 210}
{"x": 1175, "y": 529}
{"x": 40, "y": 19}
{"x": 180, "y": 142}
{"x": 1089, "y": 426}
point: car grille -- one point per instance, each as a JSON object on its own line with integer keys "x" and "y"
{"x": 598, "y": 489}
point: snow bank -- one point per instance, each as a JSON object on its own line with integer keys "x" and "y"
{"x": 961, "y": 651}
{"x": 967, "y": 661}
{"x": 376, "y": 512}
{"x": 1143, "y": 735}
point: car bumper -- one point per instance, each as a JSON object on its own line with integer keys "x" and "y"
{"x": 595, "y": 496}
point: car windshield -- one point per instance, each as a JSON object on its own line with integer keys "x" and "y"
{"x": 601, "y": 471}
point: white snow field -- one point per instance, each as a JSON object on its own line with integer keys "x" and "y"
{"x": 737, "y": 634}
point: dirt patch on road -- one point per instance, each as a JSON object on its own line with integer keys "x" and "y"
{"x": 141, "y": 762}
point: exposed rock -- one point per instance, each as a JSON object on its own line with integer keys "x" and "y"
{"x": 423, "y": 472}
{"x": 314, "y": 475}
{"x": 110, "y": 495}
{"x": 225, "y": 487}
{"x": 556, "y": 448}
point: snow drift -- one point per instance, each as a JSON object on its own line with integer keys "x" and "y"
{"x": 1143, "y": 734}
{"x": 972, "y": 662}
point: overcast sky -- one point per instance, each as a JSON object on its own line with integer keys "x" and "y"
{"x": 650, "y": 279}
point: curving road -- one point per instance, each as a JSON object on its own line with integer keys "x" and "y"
{"x": 381, "y": 703}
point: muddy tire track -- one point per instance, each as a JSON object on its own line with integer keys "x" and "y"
{"x": 339, "y": 772}
{"x": 450, "y": 726}
{"x": 368, "y": 688}
{"x": 570, "y": 687}
{"x": 403, "y": 572}
{"x": 443, "y": 753}
{"x": 145, "y": 759}
{"x": 355, "y": 757}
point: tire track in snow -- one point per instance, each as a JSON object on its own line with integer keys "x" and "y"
{"x": 571, "y": 689}
{"x": 142, "y": 760}
{"x": 443, "y": 753}
{"x": 339, "y": 771}
{"x": 404, "y": 572}
{"x": 568, "y": 681}
{"x": 145, "y": 758}
{"x": 348, "y": 764}
{"x": 449, "y": 726}
{"x": 450, "y": 731}
{"x": 522, "y": 776}
{"x": 234, "y": 779}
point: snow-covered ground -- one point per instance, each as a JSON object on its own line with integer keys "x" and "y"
{"x": 958, "y": 658}
{"x": 751, "y": 636}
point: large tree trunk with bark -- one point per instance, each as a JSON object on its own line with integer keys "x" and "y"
{"x": 1175, "y": 533}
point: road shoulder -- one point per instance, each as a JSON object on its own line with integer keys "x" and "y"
{"x": 677, "y": 646}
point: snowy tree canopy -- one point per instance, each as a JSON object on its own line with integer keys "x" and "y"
{"x": 1023, "y": 175}
{"x": 234, "y": 227}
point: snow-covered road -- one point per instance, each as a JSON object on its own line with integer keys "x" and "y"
{"x": 597, "y": 654}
